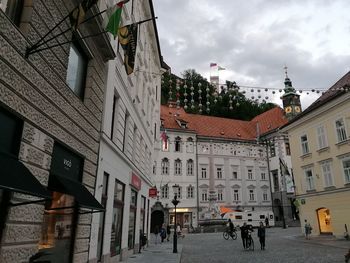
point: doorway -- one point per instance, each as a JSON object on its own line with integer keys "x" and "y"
{"x": 157, "y": 219}
{"x": 324, "y": 221}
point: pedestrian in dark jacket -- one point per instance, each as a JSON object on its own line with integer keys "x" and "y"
{"x": 156, "y": 233}
{"x": 168, "y": 232}
{"x": 244, "y": 234}
{"x": 261, "y": 235}
{"x": 163, "y": 232}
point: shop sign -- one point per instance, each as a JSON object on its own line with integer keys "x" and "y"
{"x": 152, "y": 192}
{"x": 135, "y": 181}
{"x": 65, "y": 163}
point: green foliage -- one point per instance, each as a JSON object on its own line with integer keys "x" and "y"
{"x": 230, "y": 102}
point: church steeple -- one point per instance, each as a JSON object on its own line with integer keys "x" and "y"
{"x": 290, "y": 98}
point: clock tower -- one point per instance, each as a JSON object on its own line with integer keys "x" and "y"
{"x": 290, "y": 99}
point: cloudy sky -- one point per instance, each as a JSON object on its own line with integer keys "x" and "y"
{"x": 255, "y": 39}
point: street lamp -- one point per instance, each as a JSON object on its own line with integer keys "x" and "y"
{"x": 175, "y": 203}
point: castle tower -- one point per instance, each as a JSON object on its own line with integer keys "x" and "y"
{"x": 290, "y": 99}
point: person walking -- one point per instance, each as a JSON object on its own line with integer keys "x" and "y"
{"x": 308, "y": 229}
{"x": 162, "y": 232}
{"x": 261, "y": 235}
{"x": 244, "y": 234}
{"x": 156, "y": 233}
{"x": 267, "y": 222}
{"x": 168, "y": 232}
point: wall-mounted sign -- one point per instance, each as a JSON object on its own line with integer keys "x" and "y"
{"x": 152, "y": 192}
{"x": 135, "y": 181}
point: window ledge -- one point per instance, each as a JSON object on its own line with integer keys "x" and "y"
{"x": 323, "y": 149}
{"x": 343, "y": 142}
{"x": 311, "y": 191}
{"x": 330, "y": 187}
{"x": 306, "y": 155}
{"x": 250, "y": 201}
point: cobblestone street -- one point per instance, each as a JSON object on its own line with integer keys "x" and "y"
{"x": 282, "y": 245}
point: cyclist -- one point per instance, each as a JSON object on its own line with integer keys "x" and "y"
{"x": 230, "y": 224}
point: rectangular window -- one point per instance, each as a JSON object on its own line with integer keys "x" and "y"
{"x": 165, "y": 167}
{"x": 263, "y": 176}
{"x": 204, "y": 195}
{"x": 102, "y": 216}
{"x": 177, "y": 167}
{"x": 275, "y": 180}
{"x": 178, "y": 192}
{"x": 190, "y": 167}
{"x": 251, "y": 195}
{"x": 287, "y": 148}
{"x": 117, "y": 218}
{"x": 310, "y": 185}
{"x": 114, "y": 109}
{"x": 125, "y": 130}
{"x": 327, "y": 174}
{"x": 235, "y": 195}
{"x": 321, "y": 137}
{"x": 204, "y": 173}
{"x": 265, "y": 196}
{"x": 76, "y": 70}
{"x": 346, "y": 169}
{"x": 13, "y": 9}
{"x": 250, "y": 174}
{"x": 341, "y": 130}
{"x": 132, "y": 219}
{"x": 165, "y": 192}
{"x": 234, "y": 175}
{"x": 219, "y": 172}
{"x": 304, "y": 145}
{"x": 220, "y": 195}
{"x": 190, "y": 192}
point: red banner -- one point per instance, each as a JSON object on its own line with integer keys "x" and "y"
{"x": 135, "y": 181}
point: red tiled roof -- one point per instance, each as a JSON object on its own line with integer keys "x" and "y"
{"x": 223, "y": 127}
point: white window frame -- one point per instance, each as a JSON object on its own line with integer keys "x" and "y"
{"x": 178, "y": 192}
{"x": 251, "y": 194}
{"x": 304, "y": 145}
{"x": 220, "y": 195}
{"x": 321, "y": 137}
{"x": 190, "y": 191}
{"x": 177, "y": 167}
{"x": 219, "y": 172}
{"x": 265, "y": 195}
{"x": 190, "y": 167}
{"x": 204, "y": 172}
{"x": 341, "y": 130}
{"x": 165, "y": 192}
{"x": 235, "y": 195}
{"x": 327, "y": 174}
{"x": 250, "y": 174}
{"x": 346, "y": 170}
{"x": 310, "y": 182}
{"x": 189, "y": 145}
{"x": 263, "y": 175}
{"x": 204, "y": 195}
{"x": 165, "y": 166}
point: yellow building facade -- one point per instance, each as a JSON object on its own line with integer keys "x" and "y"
{"x": 320, "y": 148}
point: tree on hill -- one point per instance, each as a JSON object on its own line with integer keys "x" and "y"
{"x": 195, "y": 94}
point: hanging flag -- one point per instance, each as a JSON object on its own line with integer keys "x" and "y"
{"x": 164, "y": 138}
{"x": 221, "y": 68}
{"x": 213, "y": 65}
{"x": 77, "y": 16}
{"x": 128, "y": 39}
{"x": 114, "y": 13}
{"x": 284, "y": 169}
{"x": 287, "y": 178}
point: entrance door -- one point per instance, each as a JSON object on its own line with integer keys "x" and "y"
{"x": 324, "y": 221}
{"x": 157, "y": 219}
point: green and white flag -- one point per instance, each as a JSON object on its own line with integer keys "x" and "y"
{"x": 114, "y": 15}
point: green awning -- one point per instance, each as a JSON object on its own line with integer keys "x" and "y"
{"x": 71, "y": 187}
{"x": 14, "y": 176}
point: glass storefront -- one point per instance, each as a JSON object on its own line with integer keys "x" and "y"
{"x": 118, "y": 205}
{"x": 102, "y": 216}
{"x": 142, "y": 215}
{"x": 132, "y": 219}
{"x": 56, "y": 234}
{"x": 184, "y": 219}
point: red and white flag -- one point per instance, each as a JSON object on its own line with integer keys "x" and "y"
{"x": 213, "y": 64}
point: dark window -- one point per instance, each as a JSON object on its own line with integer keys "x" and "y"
{"x": 76, "y": 70}
{"x": 249, "y": 215}
{"x": 177, "y": 144}
{"x": 262, "y": 216}
{"x": 238, "y": 217}
{"x": 117, "y": 218}
{"x": 275, "y": 180}
{"x": 287, "y": 148}
{"x": 113, "y": 115}
{"x": 132, "y": 219}
{"x": 14, "y": 10}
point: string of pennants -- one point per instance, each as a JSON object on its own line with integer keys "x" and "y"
{"x": 236, "y": 93}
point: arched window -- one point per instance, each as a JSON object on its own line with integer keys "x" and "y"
{"x": 165, "y": 166}
{"x": 190, "y": 167}
{"x": 178, "y": 144}
{"x": 178, "y": 167}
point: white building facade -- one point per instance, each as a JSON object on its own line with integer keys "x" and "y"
{"x": 130, "y": 128}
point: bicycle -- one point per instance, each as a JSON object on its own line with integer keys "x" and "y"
{"x": 228, "y": 233}
{"x": 250, "y": 241}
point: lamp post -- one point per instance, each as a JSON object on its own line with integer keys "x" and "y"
{"x": 175, "y": 202}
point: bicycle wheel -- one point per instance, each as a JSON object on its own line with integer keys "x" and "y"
{"x": 226, "y": 235}
{"x": 234, "y": 235}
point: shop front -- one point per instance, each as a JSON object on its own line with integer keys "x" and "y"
{"x": 184, "y": 217}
